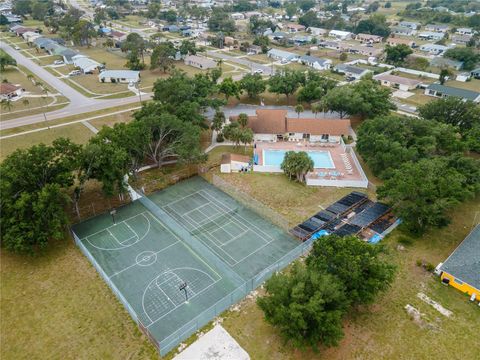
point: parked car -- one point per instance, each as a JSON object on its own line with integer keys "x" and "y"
{"x": 284, "y": 61}
{"x": 74, "y": 73}
{"x": 17, "y": 47}
{"x": 258, "y": 71}
{"x": 58, "y": 62}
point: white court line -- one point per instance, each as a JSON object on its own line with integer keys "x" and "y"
{"x": 166, "y": 297}
{"x": 183, "y": 198}
{"x": 99, "y": 231}
{"x": 188, "y": 212}
{"x": 130, "y": 238}
{"x": 119, "y": 242}
{"x": 160, "y": 318}
{"x": 233, "y": 239}
{"x": 130, "y": 266}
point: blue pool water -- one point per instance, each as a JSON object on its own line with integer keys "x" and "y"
{"x": 321, "y": 159}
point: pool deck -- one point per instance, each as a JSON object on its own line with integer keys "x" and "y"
{"x": 335, "y": 149}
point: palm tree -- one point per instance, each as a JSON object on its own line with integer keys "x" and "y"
{"x": 25, "y": 102}
{"x": 243, "y": 120}
{"x": 298, "y": 109}
{"x": 6, "y": 104}
{"x": 31, "y": 78}
{"x": 316, "y": 108}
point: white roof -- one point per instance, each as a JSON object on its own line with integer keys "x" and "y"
{"x": 85, "y": 63}
{"x": 120, "y": 74}
{"x": 340, "y": 32}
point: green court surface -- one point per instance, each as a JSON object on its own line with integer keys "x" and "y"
{"x": 190, "y": 234}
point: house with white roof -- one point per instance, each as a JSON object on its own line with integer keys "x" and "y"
{"x": 410, "y": 25}
{"x": 397, "y": 82}
{"x": 85, "y": 64}
{"x": 351, "y": 72}
{"x": 439, "y": 28}
{"x": 119, "y": 76}
{"x": 465, "y": 31}
{"x": 281, "y": 55}
{"x": 433, "y": 49}
{"x": 315, "y": 62}
{"x": 340, "y": 35}
{"x": 404, "y": 31}
{"x": 316, "y": 31}
{"x": 431, "y": 35}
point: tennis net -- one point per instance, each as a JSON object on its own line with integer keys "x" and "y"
{"x": 216, "y": 222}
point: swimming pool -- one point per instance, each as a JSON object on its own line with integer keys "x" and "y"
{"x": 321, "y": 159}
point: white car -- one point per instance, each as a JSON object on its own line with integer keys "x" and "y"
{"x": 74, "y": 73}
{"x": 258, "y": 71}
{"x": 58, "y": 62}
{"x": 17, "y": 47}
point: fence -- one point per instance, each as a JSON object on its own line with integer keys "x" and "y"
{"x": 250, "y": 203}
{"x": 231, "y": 299}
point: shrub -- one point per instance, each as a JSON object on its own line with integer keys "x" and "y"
{"x": 220, "y": 138}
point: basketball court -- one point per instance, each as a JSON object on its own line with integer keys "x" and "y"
{"x": 173, "y": 256}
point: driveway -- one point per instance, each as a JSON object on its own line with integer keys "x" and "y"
{"x": 253, "y": 66}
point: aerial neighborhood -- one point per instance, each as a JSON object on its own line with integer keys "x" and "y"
{"x": 239, "y": 179}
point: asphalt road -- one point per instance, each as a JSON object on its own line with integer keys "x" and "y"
{"x": 253, "y": 66}
{"x": 79, "y": 103}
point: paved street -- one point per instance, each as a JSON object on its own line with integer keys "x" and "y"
{"x": 79, "y": 103}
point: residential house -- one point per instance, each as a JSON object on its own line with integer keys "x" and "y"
{"x": 295, "y": 27}
{"x": 431, "y": 35}
{"x": 315, "y": 62}
{"x": 10, "y": 92}
{"x": 409, "y": 25}
{"x": 465, "y": 31}
{"x": 66, "y": 54}
{"x": 340, "y": 35}
{"x": 30, "y": 36}
{"x": 462, "y": 268}
{"x": 234, "y": 162}
{"x": 397, "y": 82}
{"x": 20, "y": 30}
{"x": 393, "y": 41}
{"x": 301, "y": 39}
{"x": 334, "y": 45}
{"x": 281, "y": 55}
{"x": 255, "y": 49}
{"x": 368, "y": 38}
{"x": 277, "y": 35}
{"x": 461, "y": 39}
{"x": 443, "y": 91}
{"x": 351, "y": 72}
{"x": 272, "y": 125}
{"x": 85, "y": 64}
{"x": 437, "y": 28}
{"x": 433, "y": 49}
{"x": 362, "y": 50}
{"x": 441, "y": 62}
{"x": 250, "y": 14}
{"x": 316, "y": 31}
{"x": 117, "y": 36}
{"x": 400, "y": 30}
{"x": 237, "y": 16}
{"x": 119, "y": 76}
{"x": 200, "y": 62}
{"x": 475, "y": 73}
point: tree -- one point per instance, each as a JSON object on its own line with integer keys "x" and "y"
{"x": 133, "y": 62}
{"x": 306, "y": 5}
{"x": 218, "y": 121}
{"x": 375, "y": 25}
{"x": 32, "y": 194}
{"x": 343, "y": 56}
{"x": 188, "y": 47}
{"x": 375, "y": 99}
{"x": 6, "y": 60}
{"x": 22, "y": 7}
{"x": 3, "y": 20}
{"x": 315, "y": 88}
{"x": 6, "y": 104}
{"x": 386, "y": 142}
{"x": 136, "y": 46}
{"x": 454, "y": 111}
{"x": 388, "y": 5}
{"x": 242, "y": 120}
{"x": 290, "y": 9}
{"x": 357, "y": 264}
{"x": 297, "y": 164}
{"x": 25, "y": 102}
{"x": 109, "y": 43}
{"x": 422, "y": 193}
{"x": 286, "y": 83}
{"x": 220, "y": 21}
{"x": 306, "y": 306}
{"x": 253, "y": 85}
{"x": 445, "y": 73}
{"x": 162, "y": 56}
{"x": 83, "y": 32}
{"x": 263, "y": 42}
{"x": 397, "y": 54}
{"x": 229, "y": 88}
{"x": 309, "y": 19}
{"x": 343, "y": 100}
{"x": 372, "y": 7}
{"x": 39, "y": 10}
{"x": 238, "y": 134}
{"x": 299, "y": 109}
{"x": 464, "y": 54}
{"x": 258, "y": 26}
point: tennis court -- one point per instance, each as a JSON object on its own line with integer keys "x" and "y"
{"x": 172, "y": 256}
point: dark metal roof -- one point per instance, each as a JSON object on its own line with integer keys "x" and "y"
{"x": 347, "y": 202}
{"x": 464, "y": 262}
{"x": 369, "y": 215}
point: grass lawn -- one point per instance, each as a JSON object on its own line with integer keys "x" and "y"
{"x": 473, "y": 84}
{"x": 114, "y": 59}
{"x": 90, "y": 82}
{"x": 112, "y": 120}
{"x": 78, "y": 133}
{"x": 418, "y": 99}
{"x": 215, "y": 155}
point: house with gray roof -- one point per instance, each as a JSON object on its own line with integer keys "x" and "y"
{"x": 437, "y": 27}
{"x": 200, "y": 62}
{"x": 351, "y": 72}
{"x": 281, "y": 55}
{"x": 462, "y": 268}
{"x": 442, "y": 91}
{"x": 315, "y": 62}
{"x": 461, "y": 39}
{"x": 475, "y": 73}
{"x": 119, "y": 76}
{"x": 404, "y": 31}
{"x": 431, "y": 35}
{"x": 85, "y": 64}
{"x": 410, "y": 25}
